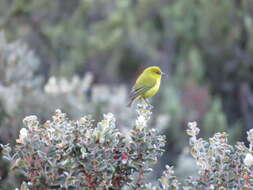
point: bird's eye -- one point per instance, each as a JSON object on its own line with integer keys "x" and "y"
{"x": 158, "y": 72}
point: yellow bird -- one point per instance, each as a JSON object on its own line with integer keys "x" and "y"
{"x": 147, "y": 84}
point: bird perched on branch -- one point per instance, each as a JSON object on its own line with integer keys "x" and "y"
{"x": 147, "y": 84}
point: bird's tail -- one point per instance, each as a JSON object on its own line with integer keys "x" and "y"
{"x": 130, "y": 103}
{"x": 132, "y": 100}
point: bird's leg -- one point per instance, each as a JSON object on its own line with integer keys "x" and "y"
{"x": 144, "y": 100}
{"x": 147, "y": 102}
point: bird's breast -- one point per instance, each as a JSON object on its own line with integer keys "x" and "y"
{"x": 153, "y": 90}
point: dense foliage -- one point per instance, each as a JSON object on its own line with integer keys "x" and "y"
{"x": 66, "y": 154}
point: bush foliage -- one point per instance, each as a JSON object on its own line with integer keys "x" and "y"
{"x": 67, "y": 154}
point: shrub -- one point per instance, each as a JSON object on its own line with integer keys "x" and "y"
{"x": 67, "y": 154}
{"x": 72, "y": 154}
{"x": 221, "y": 166}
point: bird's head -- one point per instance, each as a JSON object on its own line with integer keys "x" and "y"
{"x": 154, "y": 71}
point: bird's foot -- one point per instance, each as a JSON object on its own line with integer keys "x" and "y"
{"x": 147, "y": 104}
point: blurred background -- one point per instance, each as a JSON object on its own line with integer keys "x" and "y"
{"x": 83, "y": 56}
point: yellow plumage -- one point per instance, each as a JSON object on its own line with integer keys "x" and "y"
{"x": 147, "y": 84}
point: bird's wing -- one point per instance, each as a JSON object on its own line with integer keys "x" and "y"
{"x": 142, "y": 85}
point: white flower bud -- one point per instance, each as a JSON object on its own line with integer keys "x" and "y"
{"x": 193, "y": 129}
{"x": 22, "y": 136}
{"x": 248, "y": 160}
{"x": 141, "y": 121}
{"x": 31, "y": 121}
{"x": 109, "y": 117}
